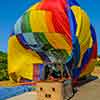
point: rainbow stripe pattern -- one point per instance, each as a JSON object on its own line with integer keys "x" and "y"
{"x": 51, "y": 31}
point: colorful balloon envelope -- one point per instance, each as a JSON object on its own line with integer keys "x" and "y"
{"x": 52, "y": 31}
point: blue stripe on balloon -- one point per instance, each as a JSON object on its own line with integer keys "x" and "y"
{"x": 72, "y": 3}
{"x": 43, "y": 56}
{"x": 41, "y": 67}
{"x": 75, "y": 42}
{"x": 75, "y": 73}
{"x": 22, "y": 39}
{"x": 76, "y": 58}
{"x": 72, "y": 21}
{"x": 93, "y": 33}
{"x": 76, "y": 50}
{"x": 86, "y": 58}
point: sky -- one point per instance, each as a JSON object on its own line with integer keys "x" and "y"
{"x": 11, "y": 10}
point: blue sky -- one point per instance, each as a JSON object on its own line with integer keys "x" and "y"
{"x": 11, "y": 10}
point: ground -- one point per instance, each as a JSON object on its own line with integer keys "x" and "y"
{"x": 86, "y": 91}
{"x": 25, "y": 96}
{"x": 89, "y": 91}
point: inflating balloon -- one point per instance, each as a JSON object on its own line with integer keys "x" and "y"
{"x": 52, "y": 31}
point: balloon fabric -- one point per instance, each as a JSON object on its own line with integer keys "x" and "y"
{"x": 52, "y": 31}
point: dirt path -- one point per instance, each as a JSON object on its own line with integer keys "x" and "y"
{"x": 25, "y": 96}
{"x": 89, "y": 91}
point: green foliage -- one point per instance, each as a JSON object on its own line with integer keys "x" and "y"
{"x": 99, "y": 56}
{"x": 98, "y": 63}
{"x": 3, "y": 66}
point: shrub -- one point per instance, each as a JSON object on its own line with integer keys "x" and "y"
{"x": 3, "y": 66}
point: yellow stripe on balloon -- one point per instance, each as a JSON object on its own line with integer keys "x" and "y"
{"x": 83, "y": 24}
{"x": 21, "y": 60}
{"x": 38, "y": 21}
{"x": 91, "y": 42}
{"x": 57, "y": 40}
{"x": 78, "y": 17}
{"x": 34, "y": 7}
{"x": 83, "y": 30}
{"x": 90, "y": 68}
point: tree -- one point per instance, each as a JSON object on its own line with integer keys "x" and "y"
{"x": 3, "y": 66}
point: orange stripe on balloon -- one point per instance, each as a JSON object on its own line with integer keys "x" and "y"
{"x": 49, "y": 22}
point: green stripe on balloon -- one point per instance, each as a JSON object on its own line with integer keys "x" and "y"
{"x": 26, "y": 23}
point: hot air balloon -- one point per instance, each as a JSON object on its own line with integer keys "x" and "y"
{"x": 52, "y": 31}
